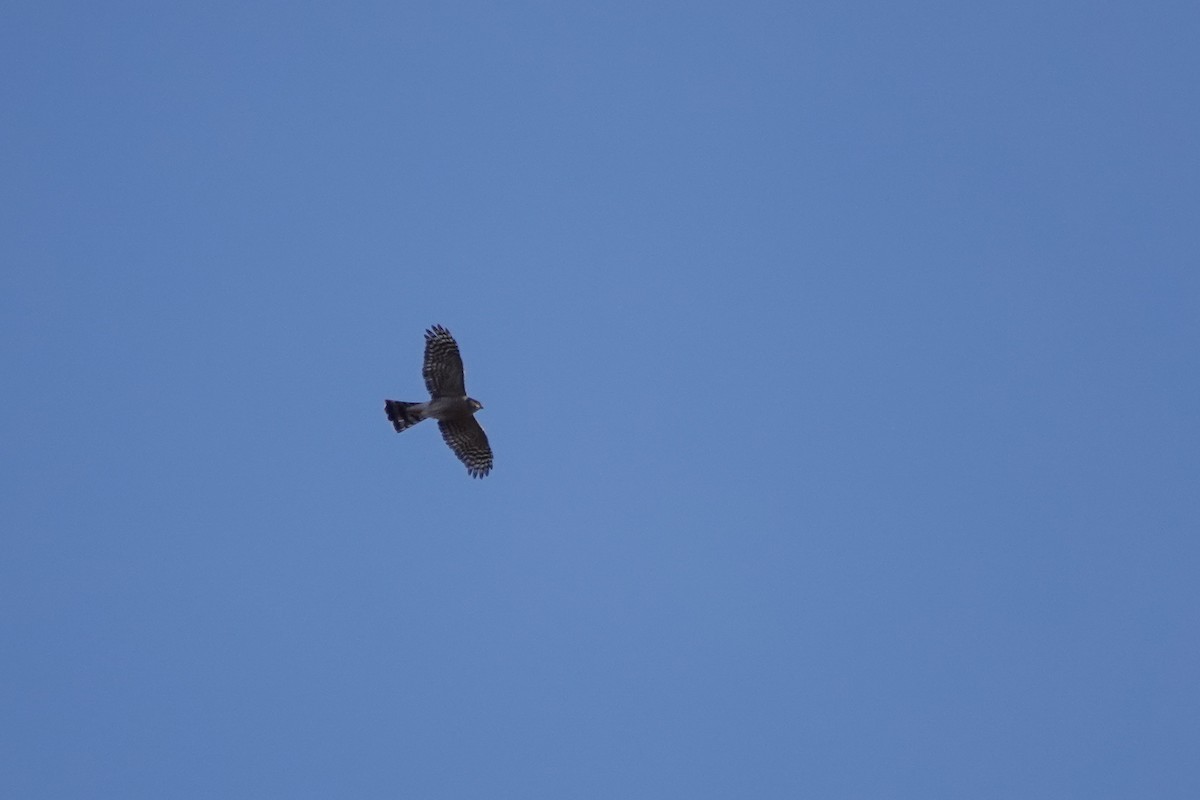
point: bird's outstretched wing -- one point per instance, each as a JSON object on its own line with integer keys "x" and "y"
{"x": 468, "y": 441}
{"x": 443, "y": 368}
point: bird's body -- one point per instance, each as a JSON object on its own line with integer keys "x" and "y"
{"x": 448, "y": 404}
{"x": 439, "y": 408}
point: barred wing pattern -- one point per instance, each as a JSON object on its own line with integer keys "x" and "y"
{"x": 443, "y": 368}
{"x": 468, "y": 441}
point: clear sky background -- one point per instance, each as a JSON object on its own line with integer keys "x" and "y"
{"x": 839, "y": 358}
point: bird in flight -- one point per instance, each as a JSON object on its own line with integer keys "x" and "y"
{"x": 448, "y": 404}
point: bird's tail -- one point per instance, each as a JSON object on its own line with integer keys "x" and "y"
{"x": 402, "y": 415}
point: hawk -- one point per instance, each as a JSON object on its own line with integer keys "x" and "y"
{"x": 448, "y": 404}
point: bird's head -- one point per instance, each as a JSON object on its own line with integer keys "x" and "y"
{"x": 475, "y": 404}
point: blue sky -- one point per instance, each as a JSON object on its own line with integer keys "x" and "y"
{"x": 839, "y": 360}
